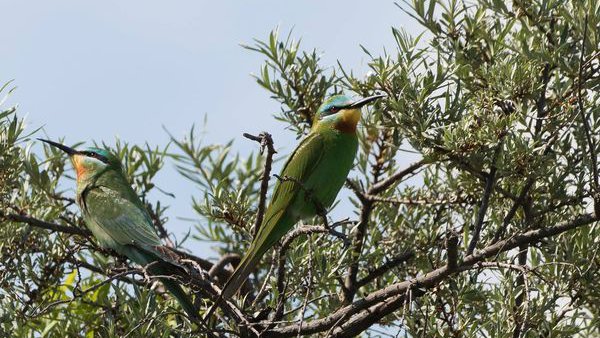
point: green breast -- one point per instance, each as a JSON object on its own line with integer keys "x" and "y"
{"x": 328, "y": 177}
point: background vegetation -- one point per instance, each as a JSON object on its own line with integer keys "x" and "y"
{"x": 493, "y": 232}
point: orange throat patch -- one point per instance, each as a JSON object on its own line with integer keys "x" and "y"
{"x": 78, "y": 165}
{"x": 348, "y": 121}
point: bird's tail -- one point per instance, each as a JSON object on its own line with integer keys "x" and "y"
{"x": 240, "y": 275}
{"x": 160, "y": 267}
{"x": 235, "y": 282}
{"x": 181, "y": 296}
{"x": 272, "y": 229}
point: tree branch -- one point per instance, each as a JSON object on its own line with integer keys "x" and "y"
{"x": 159, "y": 226}
{"x": 422, "y": 201}
{"x": 349, "y": 288}
{"x": 389, "y": 299}
{"x": 385, "y": 267}
{"x": 47, "y": 225}
{"x": 586, "y": 125}
{"x": 218, "y": 269}
{"x": 350, "y": 282}
{"x": 266, "y": 141}
{"x": 487, "y": 192}
{"x": 452, "y": 250}
{"x": 285, "y": 244}
{"x": 382, "y": 185}
{"x": 522, "y": 298}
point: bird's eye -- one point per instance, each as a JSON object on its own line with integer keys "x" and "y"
{"x": 92, "y": 154}
{"x": 96, "y": 156}
{"x": 334, "y": 110}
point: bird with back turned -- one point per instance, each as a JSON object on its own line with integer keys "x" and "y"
{"x": 118, "y": 219}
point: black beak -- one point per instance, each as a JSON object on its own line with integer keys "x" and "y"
{"x": 362, "y": 102}
{"x": 64, "y": 148}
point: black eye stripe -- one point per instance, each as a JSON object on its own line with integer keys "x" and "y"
{"x": 96, "y": 156}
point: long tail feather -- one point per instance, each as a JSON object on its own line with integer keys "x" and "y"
{"x": 163, "y": 268}
{"x": 235, "y": 282}
{"x": 273, "y": 228}
{"x": 181, "y": 296}
{"x": 240, "y": 275}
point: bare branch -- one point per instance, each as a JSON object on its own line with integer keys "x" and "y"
{"x": 349, "y": 288}
{"x": 513, "y": 210}
{"x": 390, "y": 298}
{"x": 285, "y": 244}
{"x": 398, "y": 176}
{"x": 487, "y": 192}
{"x": 356, "y": 189}
{"x": 522, "y": 299}
{"x": 452, "y": 250}
{"x": 47, "y": 225}
{"x": 159, "y": 226}
{"x": 203, "y": 263}
{"x": 385, "y": 267}
{"x": 421, "y": 201}
{"x": 586, "y": 125}
{"x": 266, "y": 141}
{"x": 218, "y": 269}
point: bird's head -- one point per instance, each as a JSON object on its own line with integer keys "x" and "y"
{"x": 89, "y": 162}
{"x": 342, "y": 112}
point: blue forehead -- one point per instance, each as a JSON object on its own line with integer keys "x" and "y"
{"x": 99, "y": 151}
{"x": 335, "y": 101}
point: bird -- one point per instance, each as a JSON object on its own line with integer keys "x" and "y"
{"x": 117, "y": 217}
{"x": 309, "y": 181}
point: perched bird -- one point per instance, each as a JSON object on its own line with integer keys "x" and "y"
{"x": 309, "y": 182}
{"x": 117, "y": 217}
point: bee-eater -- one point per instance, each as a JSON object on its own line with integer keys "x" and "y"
{"x": 309, "y": 181}
{"x": 117, "y": 217}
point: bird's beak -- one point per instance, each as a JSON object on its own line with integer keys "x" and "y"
{"x": 364, "y": 101}
{"x": 62, "y": 147}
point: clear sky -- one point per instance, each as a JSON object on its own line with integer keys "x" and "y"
{"x": 93, "y": 71}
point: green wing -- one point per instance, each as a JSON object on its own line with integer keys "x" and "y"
{"x": 123, "y": 224}
{"x": 294, "y": 175}
{"x": 278, "y": 217}
{"x": 122, "y": 220}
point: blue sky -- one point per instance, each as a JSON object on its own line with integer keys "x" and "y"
{"x": 93, "y": 71}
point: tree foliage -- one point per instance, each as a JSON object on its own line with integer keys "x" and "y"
{"x": 492, "y": 231}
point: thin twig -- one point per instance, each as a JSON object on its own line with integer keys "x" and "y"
{"x": 385, "y": 267}
{"x": 218, "y": 268}
{"x": 309, "y": 277}
{"x": 263, "y": 288}
{"x": 47, "y": 225}
{"x": 452, "y": 250}
{"x": 421, "y": 201}
{"x": 586, "y": 125}
{"x": 349, "y": 287}
{"x": 285, "y": 244}
{"x": 522, "y": 299}
{"x": 159, "y": 226}
{"x": 356, "y": 189}
{"x": 386, "y": 183}
{"x": 487, "y": 192}
{"x": 266, "y": 142}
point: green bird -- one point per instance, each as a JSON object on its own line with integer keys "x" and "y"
{"x": 309, "y": 182}
{"x": 117, "y": 217}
